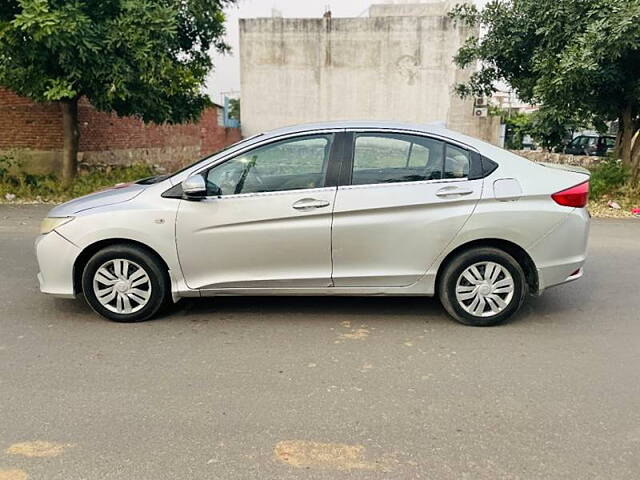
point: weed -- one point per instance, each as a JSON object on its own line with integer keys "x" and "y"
{"x": 608, "y": 177}
{"x": 47, "y": 188}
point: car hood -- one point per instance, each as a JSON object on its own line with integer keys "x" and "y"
{"x": 111, "y": 196}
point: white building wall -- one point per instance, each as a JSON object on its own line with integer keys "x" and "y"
{"x": 397, "y": 68}
{"x": 395, "y": 8}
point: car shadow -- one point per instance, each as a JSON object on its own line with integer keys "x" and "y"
{"x": 276, "y": 306}
{"x": 294, "y": 308}
{"x": 549, "y": 308}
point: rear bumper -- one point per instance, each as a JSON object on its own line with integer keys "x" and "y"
{"x": 56, "y": 256}
{"x": 561, "y": 254}
{"x": 576, "y": 275}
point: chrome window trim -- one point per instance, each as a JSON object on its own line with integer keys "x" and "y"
{"x": 417, "y": 133}
{"x": 418, "y": 182}
{"x": 268, "y": 194}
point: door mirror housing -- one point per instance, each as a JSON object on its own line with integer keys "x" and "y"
{"x": 194, "y": 187}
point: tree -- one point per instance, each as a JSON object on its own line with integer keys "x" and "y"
{"x": 138, "y": 58}
{"x": 543, "y": 126}
{"x": 518, "y": 125}
{"x": 234, "y": 108}
{"x": 579, "y": 59}
{"x": 551, "y": 128}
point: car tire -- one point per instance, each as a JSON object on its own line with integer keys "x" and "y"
{"x": 482, "y": 287}
{"x": 126, "y": 283}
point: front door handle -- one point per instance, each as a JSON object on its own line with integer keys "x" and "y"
{"x": 453, "y": 192}
{"x": 310, "y": 204}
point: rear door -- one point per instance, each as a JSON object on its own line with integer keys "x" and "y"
{"x": 402, "y": 199}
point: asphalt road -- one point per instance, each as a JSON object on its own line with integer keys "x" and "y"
{"x": 322, "y": 388}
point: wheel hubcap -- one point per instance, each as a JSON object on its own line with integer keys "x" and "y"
{"x": 122, "y": 286}
{"x": 485, "y": 289}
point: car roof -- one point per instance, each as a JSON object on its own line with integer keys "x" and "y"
{"x": 436, "y": 128}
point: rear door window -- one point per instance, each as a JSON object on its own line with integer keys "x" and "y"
{"x": 391, "y": 158}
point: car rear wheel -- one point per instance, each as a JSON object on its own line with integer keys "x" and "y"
{"x": 482, "y": 287}
{"x": 125, "y": 283}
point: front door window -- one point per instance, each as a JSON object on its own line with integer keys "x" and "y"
{"x": 292, "y": 164}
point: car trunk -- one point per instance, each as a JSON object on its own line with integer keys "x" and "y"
{"x": 565, "y": 167}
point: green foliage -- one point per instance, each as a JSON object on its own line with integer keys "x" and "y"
{"x": 562, "y": 53}
{"x": 135, "y": 57}
{"x": 608, "y": 177}
{"x": 517, "y": 126}
{"x": 580, "y": 59}
{"x": 7, "y": 165}
{"x": 47, "y": 188}
{"x": 544, "y": 126}
{"x": 550, "y": 128}
{"x": 234, "y": 108}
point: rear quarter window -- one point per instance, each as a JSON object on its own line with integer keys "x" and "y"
{"x": 457, "y": 161}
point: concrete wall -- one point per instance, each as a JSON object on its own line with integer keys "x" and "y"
{"x": 424, "y": 8}
{"x": 378, "y": 68}
{"x": 32, "y": 134}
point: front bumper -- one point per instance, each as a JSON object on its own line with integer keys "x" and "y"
{"x": 56, "y": 256}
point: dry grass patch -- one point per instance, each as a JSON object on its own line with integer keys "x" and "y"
{"x": 324, "y": 456}
{"x": 37, "y": 449}
{"x": 14, "y": 474}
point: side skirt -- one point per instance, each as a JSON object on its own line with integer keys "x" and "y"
{"x": 424, "y": 287}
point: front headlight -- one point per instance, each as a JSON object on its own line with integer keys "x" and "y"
{"x": 51, "y": 223}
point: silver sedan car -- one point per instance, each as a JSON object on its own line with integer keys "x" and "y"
{"x": 348, "y": 208}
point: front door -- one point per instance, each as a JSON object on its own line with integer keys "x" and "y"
{"x": 266, "y": 222}
{"x": 406, "y": 199}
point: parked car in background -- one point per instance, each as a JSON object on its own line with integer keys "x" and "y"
{"x": 346, "y": 208}
{"x": 528, "y": 143}
{"x": 591, "y": 145}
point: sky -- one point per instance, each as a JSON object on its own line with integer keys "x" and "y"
{"x": 226, "y": 77}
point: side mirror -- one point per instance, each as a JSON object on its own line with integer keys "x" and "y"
{"x": 194, "y": 187}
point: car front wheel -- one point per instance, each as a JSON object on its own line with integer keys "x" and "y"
{"x": 483, "y": 287}
{"x": 125, "y": 283}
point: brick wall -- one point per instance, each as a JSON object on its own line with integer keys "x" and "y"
{"x": 24, "y": 124}
{"x": 33, "y": 133}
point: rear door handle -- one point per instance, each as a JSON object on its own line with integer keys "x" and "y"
{"x": 310, "y": 204}
{"x": 453, "y": 192}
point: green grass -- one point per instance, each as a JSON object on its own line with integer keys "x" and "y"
{"x": 47, "y": 188}
{"x": 608, "y": 177}
{"x": 610, "y": 180}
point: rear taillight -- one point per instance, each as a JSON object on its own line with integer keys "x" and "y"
{"x": 576, "y": 197}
